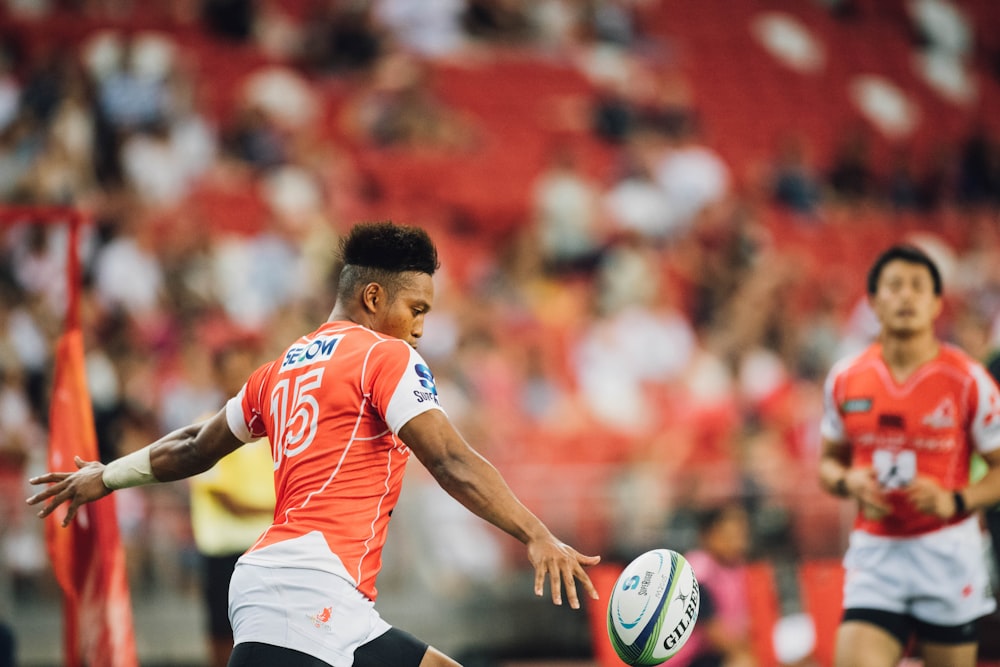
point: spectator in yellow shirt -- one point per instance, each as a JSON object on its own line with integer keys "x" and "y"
{"x": 231, "y": 505}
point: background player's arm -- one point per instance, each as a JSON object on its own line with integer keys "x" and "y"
{"x": 928, "y": 496}
{"x": 986, "y": 491}
{"x": 238, "y": 506}
{"x": 474, "y": 482}
{"x": 182, "y": 453}
{"x": 839, "y": 477}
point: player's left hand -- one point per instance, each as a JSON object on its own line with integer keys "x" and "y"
{"x": 77, "y": 488}
{"x": 930, "y": 498}
{"x": 562, "y": 565}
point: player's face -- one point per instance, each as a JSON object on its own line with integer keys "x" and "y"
{"x": 403, "y": 316}
{"x": 905, "y": 302}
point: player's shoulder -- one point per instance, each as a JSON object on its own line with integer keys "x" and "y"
{"x": 952, "y": 355}
{"x": 957, "y": 361}
{"x": 376, "y": 349}
{"x": 855, "y": 361}
{"x": 357, "y": 333}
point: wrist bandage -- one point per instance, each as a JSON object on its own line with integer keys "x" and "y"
{"x": 130, "y": 470}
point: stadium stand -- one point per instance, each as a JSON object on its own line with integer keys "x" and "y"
{"x": 457, "y": 143}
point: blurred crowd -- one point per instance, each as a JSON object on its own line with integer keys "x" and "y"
{"x": 642, "y": 343}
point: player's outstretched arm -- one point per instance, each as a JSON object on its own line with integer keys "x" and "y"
{"x": 474, "y": 482}
{"x": 179, "y": 454}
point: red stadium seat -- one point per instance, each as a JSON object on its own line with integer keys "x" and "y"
{"x": 228, "y": 208}
{"x": 822, "y": 589}
{"x": 603, "y": 576}
{"x": 765, "y": 610}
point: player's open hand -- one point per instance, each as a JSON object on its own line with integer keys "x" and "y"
{"x": 563, "y": 566}
{"x": 76, "y": 488}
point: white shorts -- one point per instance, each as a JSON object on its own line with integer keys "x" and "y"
{"x": 311, "y": 611}
{"x": 939, "y": 578}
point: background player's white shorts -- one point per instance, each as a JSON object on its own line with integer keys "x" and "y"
{"x": 939, "y": 577}
{"x": 307, "y": 610}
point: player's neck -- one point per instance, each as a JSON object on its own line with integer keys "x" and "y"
{"x": 341, "y": 315}
{"x": 905, "y": 354}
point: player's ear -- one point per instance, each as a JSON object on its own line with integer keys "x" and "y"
{"x": 372, "y": 295}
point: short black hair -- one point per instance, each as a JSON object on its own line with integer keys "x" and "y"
{"x": 381, "y": 251}
{"x": 906, "y": 253}
{"x": 389, "y": 247}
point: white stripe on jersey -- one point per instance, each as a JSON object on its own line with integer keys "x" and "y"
{"x": 378, "y": 512}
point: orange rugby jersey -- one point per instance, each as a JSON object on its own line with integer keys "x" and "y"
{"x": 928, "y": 425}
{"x": 331, "y": 406}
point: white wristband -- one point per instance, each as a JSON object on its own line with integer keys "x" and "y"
{"x": 130, "y": 470}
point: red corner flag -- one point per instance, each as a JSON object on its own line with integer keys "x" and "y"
{"x": 87, "y": 556}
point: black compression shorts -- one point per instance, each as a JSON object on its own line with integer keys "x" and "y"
{"x": 394, "y": 648}
{"x": 256, "y": 654}
{"x": 903, "y": 626}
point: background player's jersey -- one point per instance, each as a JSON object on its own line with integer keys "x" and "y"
{"x": 928, "y": 425}
{"x": 331, "y": 406}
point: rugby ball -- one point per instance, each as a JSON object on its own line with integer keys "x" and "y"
{"x": 653, "y": 608}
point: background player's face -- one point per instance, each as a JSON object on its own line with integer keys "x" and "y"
{"x": 905, "y": 302}
{"x": 403, "y": 316}
{"x": 729, "y": 539}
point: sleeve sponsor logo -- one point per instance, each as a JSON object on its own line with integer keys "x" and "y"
{"x": 309, "y": 352}
{"x": 429, "y": 391}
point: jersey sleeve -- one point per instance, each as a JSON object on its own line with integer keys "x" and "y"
{"x": 245, "y": 411}
{"x": 832, "y": 424}
{"x": 985, "y": 427}
{"x": 399, "y": 383}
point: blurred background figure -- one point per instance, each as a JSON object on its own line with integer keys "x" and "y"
{"x": 231, "y": 504}
{"x": 7, "y": 646}
{"x": 565, "y": 208}
{"x": 722, "y": 636}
